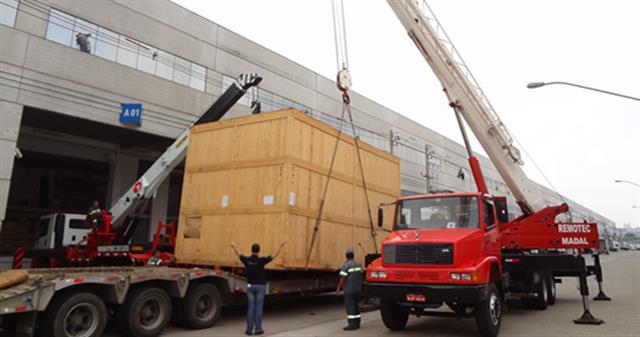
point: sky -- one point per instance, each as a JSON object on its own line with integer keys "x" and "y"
{"x": 581, "y": 140}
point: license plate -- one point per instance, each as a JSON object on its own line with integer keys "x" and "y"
{"x": 416, "y": 298}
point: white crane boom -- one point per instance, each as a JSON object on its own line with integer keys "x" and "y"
{"x": 467, "y": 97}
{"x": 146, "y": 186}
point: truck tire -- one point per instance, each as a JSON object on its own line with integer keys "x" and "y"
{"x": 489, "y": 313}
{"x": 551, "y": 290}
{"x": 75, "y": 314}
{"x": 144, "y": 313}
{"x": 394, "y": 316}
{"x": 201, "y": 307}
{"x": 542, "y": 291}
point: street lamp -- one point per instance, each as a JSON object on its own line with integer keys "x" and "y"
{"x": 638, "y": 186}
{"x": 534, "y": 85}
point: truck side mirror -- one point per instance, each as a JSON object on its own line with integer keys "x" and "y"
{"x": 380, "y": 217}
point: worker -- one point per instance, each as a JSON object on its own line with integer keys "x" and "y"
{"x": 154, "y": 260}
{"x": 256, "y": 285}
{"x": 82, "y": 40}
{"x": 351, "y": 276}
{"x": 94, "y": 216}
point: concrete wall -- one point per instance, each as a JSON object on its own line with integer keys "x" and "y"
{"x": 65, "y": 80}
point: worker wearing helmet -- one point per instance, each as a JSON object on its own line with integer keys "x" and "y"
{"x": 94, "y": 216}
{"x": 351, "y": 276}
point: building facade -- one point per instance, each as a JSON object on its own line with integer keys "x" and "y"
{"x": 68, "y": 70}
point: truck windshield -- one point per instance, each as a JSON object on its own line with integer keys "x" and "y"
{"x": 447, "y": 212}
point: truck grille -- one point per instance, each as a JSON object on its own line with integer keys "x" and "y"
{"x": 418, "y": 254}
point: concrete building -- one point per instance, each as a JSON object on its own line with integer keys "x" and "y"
{"x": 62, "y": 143}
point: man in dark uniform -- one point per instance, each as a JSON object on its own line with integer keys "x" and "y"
{"x": 94, "y": 216}
{"x": 351, "y": 276}
{"x": 256, "y": 285}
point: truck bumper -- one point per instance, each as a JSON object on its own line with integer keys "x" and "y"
{"x": 434, "y": 293}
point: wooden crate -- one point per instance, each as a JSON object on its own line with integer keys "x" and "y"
{"x": 261, "y": 178}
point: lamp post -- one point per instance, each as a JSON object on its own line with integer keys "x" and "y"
{"x": 638, "y": 202}
{"x": 534, "y": 85}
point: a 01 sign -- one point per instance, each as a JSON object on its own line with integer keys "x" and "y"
{"x": 131, "y": 113}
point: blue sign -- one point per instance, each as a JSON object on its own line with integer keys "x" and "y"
{"x": 131, "y": 113}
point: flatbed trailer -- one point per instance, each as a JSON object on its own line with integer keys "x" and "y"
{"x": 142, "y": 300}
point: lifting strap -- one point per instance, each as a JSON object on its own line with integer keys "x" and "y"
{"x": 346, "y": 109}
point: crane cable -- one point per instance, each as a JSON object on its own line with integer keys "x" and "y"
{"x": 343, "y": 82}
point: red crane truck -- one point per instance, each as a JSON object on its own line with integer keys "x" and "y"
{"x": 461, "y": 249}
{"x": 62, "y": 243}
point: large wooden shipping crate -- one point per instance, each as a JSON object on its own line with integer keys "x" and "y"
{"x": 261, "y": 179}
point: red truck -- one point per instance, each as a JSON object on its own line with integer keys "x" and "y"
{"x": 463, "y": 250}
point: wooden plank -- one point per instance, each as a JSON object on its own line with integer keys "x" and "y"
{"x": 266, "y": 186}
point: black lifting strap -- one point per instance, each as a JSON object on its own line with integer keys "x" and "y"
{"x": 346, "y": 107}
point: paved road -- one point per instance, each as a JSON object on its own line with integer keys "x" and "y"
{"x": 324, "y": 315}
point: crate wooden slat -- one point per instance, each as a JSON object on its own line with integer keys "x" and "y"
{"x": 261, "y": 178}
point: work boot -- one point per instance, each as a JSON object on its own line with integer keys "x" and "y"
{"x": 350, "y": 327}
{"x": 358, "y": 323}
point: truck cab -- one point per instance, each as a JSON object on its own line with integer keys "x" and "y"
{"x": 60, "y": 230}
{"x": 443, "y": 249}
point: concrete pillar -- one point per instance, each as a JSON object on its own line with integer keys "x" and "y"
{"x": 123, "y": 173}
{"x": 10, "y": 116}
{"x": 159, "y": 206}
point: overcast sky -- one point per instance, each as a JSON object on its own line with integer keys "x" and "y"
{"x": 582, "y": 140}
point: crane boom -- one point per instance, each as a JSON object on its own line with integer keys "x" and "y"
{"x": 146, "y": 186}
{"x": 466, "y": 96}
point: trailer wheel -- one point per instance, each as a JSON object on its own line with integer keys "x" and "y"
{"x": 489, "y": 313}
{"x": 201, "y": 306}
{"x": 551, "y": 289}
{"x": 144, "y": 313}
{"x": 75, "y": 315}
{"x": 394, "y": 316}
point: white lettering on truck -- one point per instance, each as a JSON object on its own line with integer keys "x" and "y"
{"x": 575, "y": 241}
{"x": 574, "y": 228}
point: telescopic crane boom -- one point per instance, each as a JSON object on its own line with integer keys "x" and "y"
{"x": 468, "y": 99}
{"x": 133, "y": 201}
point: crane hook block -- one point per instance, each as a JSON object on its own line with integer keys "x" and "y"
{"x": 343, "y": 80}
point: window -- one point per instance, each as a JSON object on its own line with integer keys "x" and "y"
{"x": 77, "y": 224}
{"x": 488, "y": 214}
{"x": 60, "y": 28}
{"x": 84, "y": 27}
{"x": 438, "y": 213}
{"x": 42, "y": 227}
{"x": 182, "y": 71}
{"x": 106, "y": 44}
{"x": 147, "y": 60}
{"x": 8, "y": 11}
{"x": 198, "y": 74}
{"x": 164, "y": 67}
{"x": 127, "y": 52}
{"x": 63, "y": 28}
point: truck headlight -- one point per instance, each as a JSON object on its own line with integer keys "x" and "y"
{"x": 378, "y": 274}
{"x": 455, "y": 276}
{"x": 466, "y": 276}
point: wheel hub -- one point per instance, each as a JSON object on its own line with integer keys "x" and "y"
{"x": 151, "y": 314}
{"x": 81, "y": 320}
{"x": 494, "y": 309}
{"x": 205, "y": 307}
